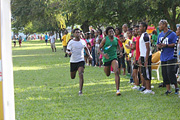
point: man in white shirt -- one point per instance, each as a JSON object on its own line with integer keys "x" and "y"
{"x": 52, "y": 41}
{"x": 145, "y": 57}
{"x": 76, "y": 48}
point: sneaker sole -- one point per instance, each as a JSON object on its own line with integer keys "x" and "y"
{"x": 118, "y": 94}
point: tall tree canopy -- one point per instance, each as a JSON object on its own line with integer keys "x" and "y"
{"x": 52, "y": 15}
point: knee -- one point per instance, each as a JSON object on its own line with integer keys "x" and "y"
{"x": 116, "y": 72}
{"x": 81, "y": 73}
{"x": 108, "y": 74}
{"x": 73, "y": 77}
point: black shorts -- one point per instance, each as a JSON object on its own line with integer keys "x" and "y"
{"x": 75, "y": 66}
{"x": 136, "y": 65}
{"x": 46, "y": 41}
{"x": 109, "y": 62}
{"x": 146, "y": 71}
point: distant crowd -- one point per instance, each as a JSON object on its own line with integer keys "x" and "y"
{"x": 133, "y": 48}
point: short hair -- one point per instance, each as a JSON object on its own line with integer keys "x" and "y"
{"x": 108, "y": 28}
{"x": 75, "y": 30}
{"x": 120, "y": 30}
{"x": 144, "y": 25}
{"x": 125, "y": 25}
{"x": 163, "y": 22}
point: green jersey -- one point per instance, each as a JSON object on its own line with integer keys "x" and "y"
{"x": 110, "y": 47}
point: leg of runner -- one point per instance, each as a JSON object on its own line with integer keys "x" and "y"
{"x": 81, "y": 79}
{"x": 116, "y": 72}
{"x": 107, "y": 70}
{"x": 73, "y": 75}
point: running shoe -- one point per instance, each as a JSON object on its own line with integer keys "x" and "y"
{"x": 118, "y": 93}
{"x": 148, "y": 92}
{"x": 135, "y": 87}
{"x": 80, "y": 93}
{"x": 177, "y": 91}
{"x": 168, "y": 92}
{"x": 142, "y": 89}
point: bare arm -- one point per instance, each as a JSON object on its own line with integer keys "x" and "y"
{"x": 101, "y": 46}
{"x": 88, "y": 53}
{"x": 147, "y": 53}
{"x": 68, "y": 52}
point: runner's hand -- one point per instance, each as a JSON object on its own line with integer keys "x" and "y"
{"x": 90, "y": 57}
{"x": 106, "y": 56}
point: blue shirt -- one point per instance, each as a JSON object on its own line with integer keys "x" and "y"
{"x": 168, "y": 53}
{"x": 46, "y": 37}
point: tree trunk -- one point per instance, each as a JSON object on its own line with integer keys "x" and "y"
{"x": 60, "y": 35}
{"x": 85, "y": 26}
{"x": 56, "y": 35}
{"x": 173, "y": 26}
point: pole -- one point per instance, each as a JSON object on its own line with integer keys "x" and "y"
{"x": 7, "y": 108}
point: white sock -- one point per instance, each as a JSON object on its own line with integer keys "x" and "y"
{"x": 117, "y": 90}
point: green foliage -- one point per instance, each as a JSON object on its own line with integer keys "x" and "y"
{"x": 44, "y": 90}
{"x": 41, "y": 13}
{"x": 55, "y": 14}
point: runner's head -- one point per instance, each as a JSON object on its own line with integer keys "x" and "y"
{"x": 65, "y": 32}
{"x": 76, "y": 32}
{"x": 162, "y": 24}
{"x": 110, "y": 31}
{"x": 143, "y": 27}
{"x": 118, "y": 31}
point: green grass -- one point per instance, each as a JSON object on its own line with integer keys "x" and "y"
{"x": 44, "y": 91}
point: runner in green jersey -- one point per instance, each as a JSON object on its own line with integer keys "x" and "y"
{"x": 110, "y": 45}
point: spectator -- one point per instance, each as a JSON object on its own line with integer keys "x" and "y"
{"x": 154, "y": 41}
{"x": 46, "y": 38}
{"x": 64, "y": 43}
{"x": 168, "y": 45}
{"x": 52, "y": 41}
{"x": 20, "y": 41}
{"x": 145, "y": 57}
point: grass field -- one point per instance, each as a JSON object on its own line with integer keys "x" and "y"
{"x": 44, "y": 91}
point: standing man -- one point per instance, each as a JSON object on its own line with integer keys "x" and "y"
{"x": 46, "y": 38}
{"x": 52, "y": 41}
{"x": 76, "y": 48}
{"x": 168, "y": 55}
{"x": 145, "y": 57}
{"x": 110, "y": 45}
{"x": 64, "y": 43}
